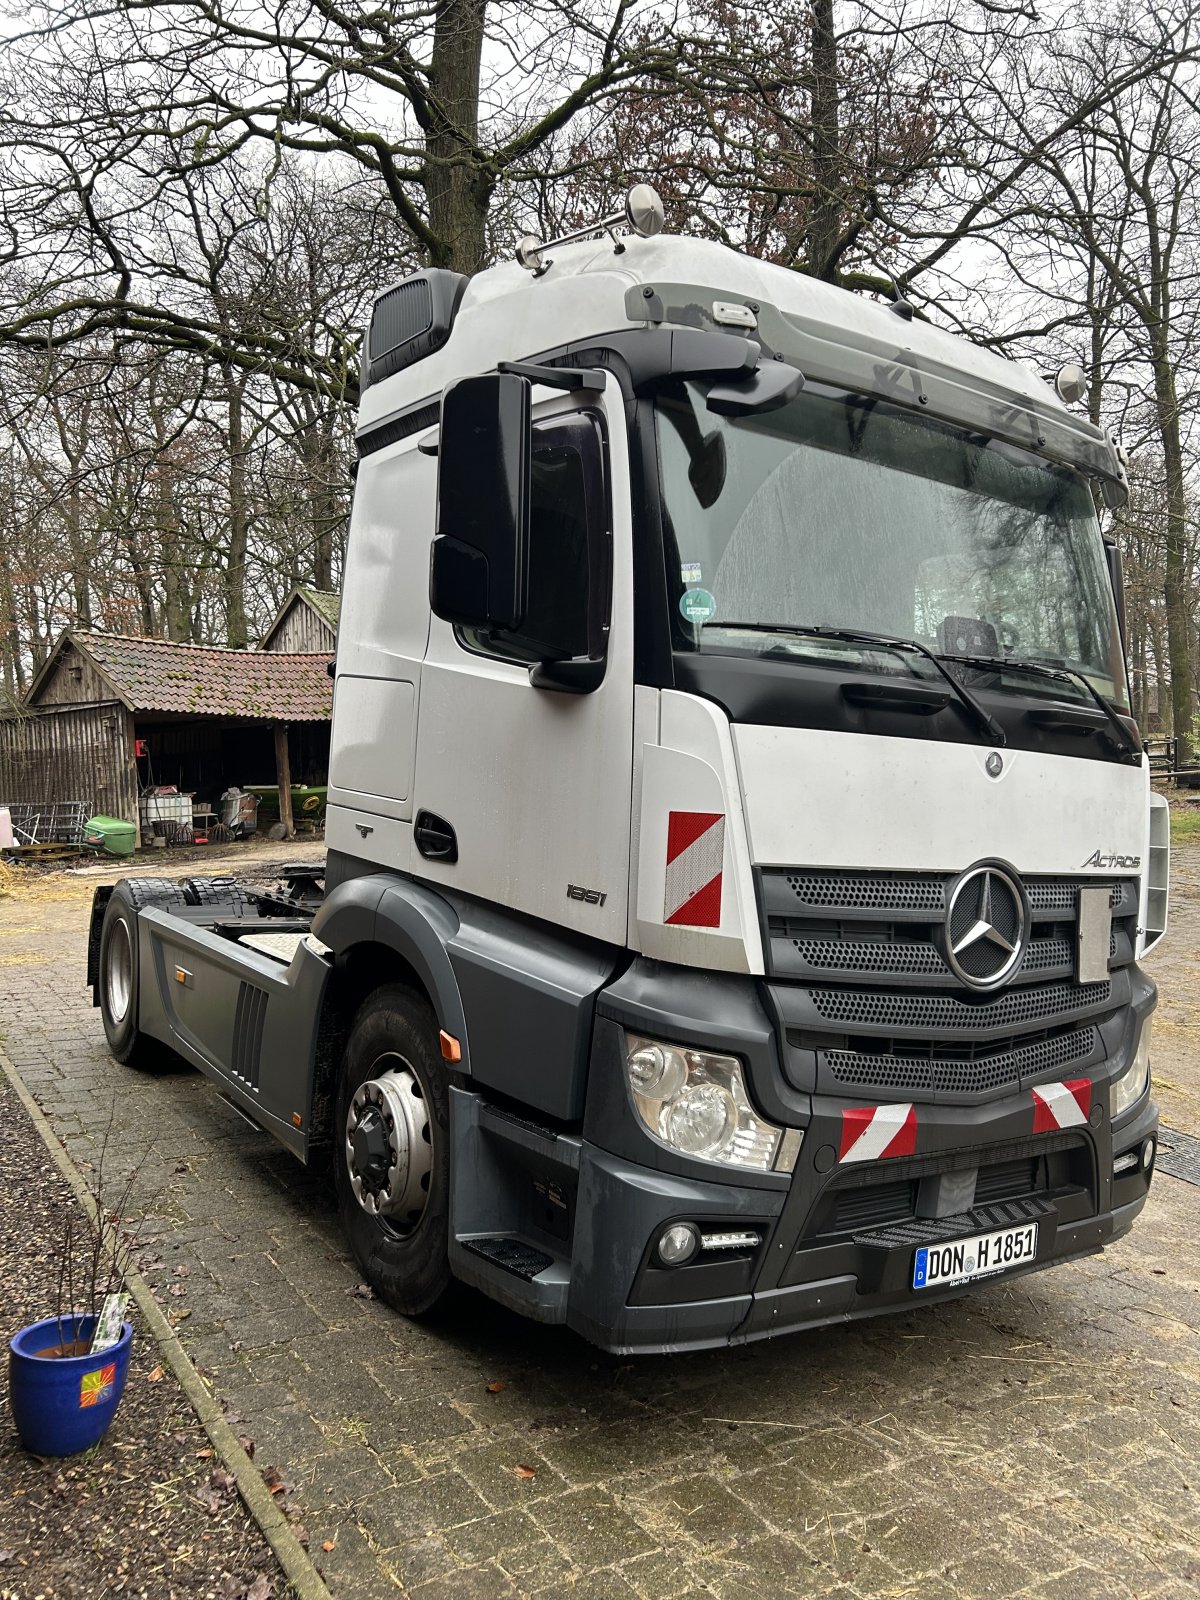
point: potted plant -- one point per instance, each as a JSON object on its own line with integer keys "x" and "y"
{"x": 67, "y": 1372}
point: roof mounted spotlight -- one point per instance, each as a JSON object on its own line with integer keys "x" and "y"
{"x": 642, "y": 214}
{"x": 1071, "y": 383}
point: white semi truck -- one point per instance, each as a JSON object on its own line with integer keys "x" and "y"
{"x": 740, "y": 852}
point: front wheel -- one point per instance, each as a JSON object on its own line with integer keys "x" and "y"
{"x": 392, "y": 1138}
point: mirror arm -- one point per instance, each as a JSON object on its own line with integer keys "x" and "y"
{"x": 555, "y": 377}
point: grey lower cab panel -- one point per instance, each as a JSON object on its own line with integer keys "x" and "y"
{"x": 528, "y": 994}
{"x": 518, "y": 994}
{"x": 245, "y": 1019}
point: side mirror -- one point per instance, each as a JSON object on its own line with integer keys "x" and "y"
{"x": 479, "y": 563}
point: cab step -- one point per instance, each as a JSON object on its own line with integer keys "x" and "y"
{"x": 514, "y": 1255}
{"x": 518, "y": 1273}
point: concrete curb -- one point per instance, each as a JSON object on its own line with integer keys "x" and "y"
{"x": 304, "y": 1578}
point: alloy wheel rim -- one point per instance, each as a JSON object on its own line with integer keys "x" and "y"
{"x": 388, "y": 1144}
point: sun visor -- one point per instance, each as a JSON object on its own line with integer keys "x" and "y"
{"x": 863, "y": 362}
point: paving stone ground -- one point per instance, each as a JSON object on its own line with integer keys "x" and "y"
{"x": 1040, "y": 1438}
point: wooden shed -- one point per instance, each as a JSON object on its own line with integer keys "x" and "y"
{"x": 108, "y": 715}
{"x": 307, "y": 622}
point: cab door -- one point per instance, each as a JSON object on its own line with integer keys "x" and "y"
{"x": 524, "y": 767}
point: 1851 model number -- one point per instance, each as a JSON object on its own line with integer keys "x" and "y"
{"x": 591, "y": 897}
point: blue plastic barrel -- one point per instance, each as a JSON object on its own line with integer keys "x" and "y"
{"x": 63, "y": 1404}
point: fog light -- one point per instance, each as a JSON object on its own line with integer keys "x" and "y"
{"x": 1148, "y": 1155}
{"x": 678, "y": 1244}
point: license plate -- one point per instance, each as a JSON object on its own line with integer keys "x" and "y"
{"x": 961, "y": 1260}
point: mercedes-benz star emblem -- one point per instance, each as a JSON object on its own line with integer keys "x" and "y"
{"x": 986, "y": 926}
{"x": 994, "y": 765}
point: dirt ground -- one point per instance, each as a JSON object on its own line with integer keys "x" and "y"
{"x": 148, "y": 1513}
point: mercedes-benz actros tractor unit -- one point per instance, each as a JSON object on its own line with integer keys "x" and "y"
{"x": 739, "y": 849}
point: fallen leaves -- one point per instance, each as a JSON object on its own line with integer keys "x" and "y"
{"x": 273, "y": 1479}
{"x": 362, "y": 1291}
{"x": 497, "y": 1386}
{"x": 327, "y": 1546}
{"x": 156, "y": 1376}
{"x": 260, "y": 1589}
{"x": 523, "y": 1472}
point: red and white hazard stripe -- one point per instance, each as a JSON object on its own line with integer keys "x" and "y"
{"x": 1061, "y": 1105}
{"x": 872, "y": 1133}
{"x": 695, "y": 853}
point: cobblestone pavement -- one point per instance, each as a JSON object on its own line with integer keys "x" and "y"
{"x": 1040, "y": 1438}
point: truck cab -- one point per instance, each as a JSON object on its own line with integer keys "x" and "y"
{"x": 740, "y": 851}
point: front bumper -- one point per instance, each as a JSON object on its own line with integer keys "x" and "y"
{"x": 583, "y": 1209}
{"x": 621, "y": 1301}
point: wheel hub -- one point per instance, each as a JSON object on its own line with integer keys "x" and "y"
{"x": 118, "y": 971}
{"x": 388, "y": 1145}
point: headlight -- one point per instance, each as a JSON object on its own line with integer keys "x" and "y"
{"x": 1131, "y": 1085}
{"x": 696, "y": 1103}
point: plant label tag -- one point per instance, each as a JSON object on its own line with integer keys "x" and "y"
{"x": 108, "y": 1323}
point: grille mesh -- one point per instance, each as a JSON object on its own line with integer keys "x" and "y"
{"x": 940, "y": 1011}
{"x": 913, "y": 958}
{"x": 959, "y": 1076}
{"x": 918, "y": 891}
{"x": 874, "y": 892}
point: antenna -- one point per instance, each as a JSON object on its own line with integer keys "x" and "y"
{"x": 642, "y": 214}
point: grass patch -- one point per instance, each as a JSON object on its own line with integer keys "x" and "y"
{"x": 1185, "y": 824}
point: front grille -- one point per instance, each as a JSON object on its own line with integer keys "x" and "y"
{"x": 961, "y": 1076}
{"x": 869, "y": 1001}
{"x": 888, "y": 927}
{"x": 945, "y": 1015}
{"x": 880, "y": 891}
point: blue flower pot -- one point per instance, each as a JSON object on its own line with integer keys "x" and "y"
{"x": 63, "y": 1404}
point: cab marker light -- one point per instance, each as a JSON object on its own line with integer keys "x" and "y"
{"x": 182, "y": 975}
{"x": 451, "y": 1049}
{"x": 1126, "y": 1163}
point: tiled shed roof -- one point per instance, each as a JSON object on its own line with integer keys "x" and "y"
{"x": 210, "y": 681}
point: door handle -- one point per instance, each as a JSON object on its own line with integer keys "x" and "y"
{"x": 435, "y": 838}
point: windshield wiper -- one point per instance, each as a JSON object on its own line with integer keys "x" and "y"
{"x": 890, "y": 642}
{"x": 1126, "y": 741}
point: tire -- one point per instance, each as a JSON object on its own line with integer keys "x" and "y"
{"x": 224, "y": 893}
{"x": 119, "y": 968}
{"x": 403, "y": 1256}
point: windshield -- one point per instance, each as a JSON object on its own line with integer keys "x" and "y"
{"x": 841, "y": 511}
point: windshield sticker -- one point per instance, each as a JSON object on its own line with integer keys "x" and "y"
{"x": 697, "y": 606}
{"x": 690, "y": 572}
